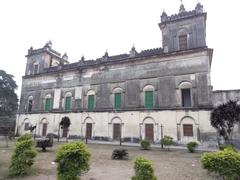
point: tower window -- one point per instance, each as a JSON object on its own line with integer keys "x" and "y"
{"x": 182, "y": 42}
{"x": 30, "y": 102}
{"x": 35, "y": 69}
{"x": 186, "y": 98}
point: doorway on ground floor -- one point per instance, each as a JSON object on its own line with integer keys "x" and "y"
{"x": 89, "y": 130}
{"x": 44, "y": 129}
{"x": 149, "y": 132}
{"x": 116, "y": 131}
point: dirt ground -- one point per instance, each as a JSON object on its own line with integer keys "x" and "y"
{"x": 168, "y": 165}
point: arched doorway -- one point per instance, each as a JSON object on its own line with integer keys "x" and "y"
{"x": 148, "y": 129}
{"x": 43, "y": 126}
{"x": 88, "y": 128}
{"x": 115, "y": 129}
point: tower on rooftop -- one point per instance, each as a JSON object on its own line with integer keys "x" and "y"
{"x": 185, "y": 30}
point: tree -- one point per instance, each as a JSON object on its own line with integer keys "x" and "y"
{"x": 8, "y": 104}
{"x": 8, "y": 97}
{"x": 224, "y": 117}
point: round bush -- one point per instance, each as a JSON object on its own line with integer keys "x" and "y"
{"x": 167, "y": 141}
{"x": 145, "y": 144}
{"x": 192, "y": 146}
{"x": 143, "y": 170}
{"x": 73, "y": 159}
{"x": 226, "y": 163}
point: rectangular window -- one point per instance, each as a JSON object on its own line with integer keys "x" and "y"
{"x": 182, "y": 42}
{"x": 35, "y": 70}
{"x": 148, "y": 99}
{"x": 188, "y": 130}
{"x": 67, "y": 103}
{"x": 26, "y": 126}
{"x": 186, "y": 98}
{"x": 90, "y": 102}
{"x": 117, "y": 100}
{"x": 47, "y": 104}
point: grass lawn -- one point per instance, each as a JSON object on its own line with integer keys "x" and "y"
{"x": 168, "y": 165}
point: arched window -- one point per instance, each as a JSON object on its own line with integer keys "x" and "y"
{"x": 182, "y": 39}
{"x": 117, "y": 98}
{"x": 48, "y": 103}
{"x": 68, "y": 101}
{"x": 35, "y": 68}
{"x": 148, "y": 96}
{"x": 30, "y": 104}
{"x": 91, "y": 100}
{"x": 186, "y": 96}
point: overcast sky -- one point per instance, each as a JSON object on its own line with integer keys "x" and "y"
{"x": 91, "y": 27}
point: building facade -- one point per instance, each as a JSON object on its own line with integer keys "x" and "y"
{"x": 133, "y": 96}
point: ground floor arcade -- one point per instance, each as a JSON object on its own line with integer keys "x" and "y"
{"x": 132, "y": 126}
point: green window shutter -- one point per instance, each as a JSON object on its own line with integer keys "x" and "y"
{"x": 47, "y": 104}
{"x": 68, "y": 104}
{"x": 148, "y": 99}
{"x": 90, "y": 102}
{"x": 117, "y": 100}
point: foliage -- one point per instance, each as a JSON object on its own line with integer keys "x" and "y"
{"x": 23, "y": 156}
{"x": 72, "y": 158}
{"x": 226, "y": 163}
{"x": 143, "y": 170}
{"x": 191, "y": 146}
{"x": 145, "y": 144}
{"x": 224, "y": 117}
{"x": 8, "y": 98}
{"x": 65, "y": 123}
{"x": 24, "y": 137}
{"x": 119, "y": 154}
{"x": 228, "y": 146}
{"x": 167, "y": 141}
{"x": 7, "y": 125}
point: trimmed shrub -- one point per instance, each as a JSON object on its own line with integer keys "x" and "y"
{"x": 145, "y": 144}
{"x": 226, "y": 163}
{"x": 73, "y": 159}
{"x": 143, "y": 170}
{"x": 119, "y": 154}
{"x": 167, "y": 141}
{"x": 23, "y": 156}
{"x": 24, "y": 137}
{"x": 192, "y": 146}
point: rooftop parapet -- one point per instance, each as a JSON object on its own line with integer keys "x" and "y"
{"x": 182, "y": 13}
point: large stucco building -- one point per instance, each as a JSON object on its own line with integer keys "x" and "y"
{"x": 133, "y": 96}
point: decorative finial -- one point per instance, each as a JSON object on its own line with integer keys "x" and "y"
{"x": 133, "y": 51}
{"x": 65, "y": 56}
{"x": 199, "y": 8}
{"x": 163, "y": 16}
{"x": 182, "y": 8}
{"x": 50, "y": 43}
{"x": 82, "y": 58}
{"x": 106, "y": 53}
